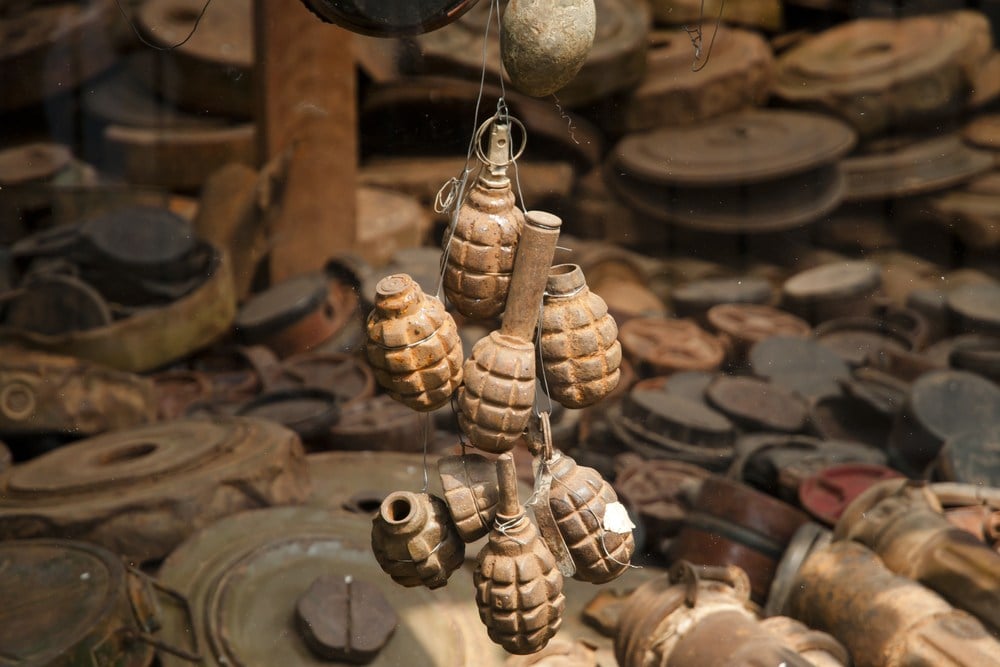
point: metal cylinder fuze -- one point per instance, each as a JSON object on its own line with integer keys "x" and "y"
{"x": 495, "y": 402}
{"x": 699, "y": 616}
{"x": 903, "y": 522}
{"x": 885, "y": 620}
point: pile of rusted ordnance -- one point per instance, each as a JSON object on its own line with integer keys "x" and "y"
{"x": 789, "y": 382}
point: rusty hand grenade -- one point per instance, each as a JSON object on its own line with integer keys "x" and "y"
{"x": 413, "y": 345}
{"x": 480, "y": 252}
{"x": 470, "y": 491}
{"x": 495, "y": 403}
{"x": 580, "y": 351}
{"x": 593, "y": 523}
{"x": 518, "y": 587}
{"x": 414, "y": 540}
{"x": 544, "y": 44}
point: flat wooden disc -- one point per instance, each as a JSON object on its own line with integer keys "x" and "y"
{"x": 742, "y": 148}
{"x": 32, "y": 162}
{"x": 922, "y": 167}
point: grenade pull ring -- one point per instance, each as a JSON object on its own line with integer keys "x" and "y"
{"x": 500, "y": 125}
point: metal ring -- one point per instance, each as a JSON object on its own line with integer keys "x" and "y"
{"x": 489, "y": 123}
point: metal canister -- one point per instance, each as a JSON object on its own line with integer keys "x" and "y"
{"x": 73, "y": 604}
{"x": 885, "y": 620}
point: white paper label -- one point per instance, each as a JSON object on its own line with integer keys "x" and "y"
{"x": 616, "y": 519}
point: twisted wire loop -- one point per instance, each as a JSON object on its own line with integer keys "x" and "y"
{"x": 510, "y": 525}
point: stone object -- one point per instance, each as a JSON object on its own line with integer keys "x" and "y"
{"x": 543, "y": 46}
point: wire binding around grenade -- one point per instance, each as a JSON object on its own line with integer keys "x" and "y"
{"x": 488, "y": 123}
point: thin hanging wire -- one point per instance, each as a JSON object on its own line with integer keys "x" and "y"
{"x": 459, "y": 186}
{"x": 545, "y": 379}
{"x": 131, "y": 24}
{"x": 697, "y": 37}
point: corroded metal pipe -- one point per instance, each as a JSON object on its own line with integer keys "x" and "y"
{"x": 884, "y": 619}
{"x": 904, "y": 524}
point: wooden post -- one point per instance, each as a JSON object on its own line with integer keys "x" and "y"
{"x": 306, "y": 106}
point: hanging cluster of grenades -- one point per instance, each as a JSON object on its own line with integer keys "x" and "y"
{"x": 498, "y": 262}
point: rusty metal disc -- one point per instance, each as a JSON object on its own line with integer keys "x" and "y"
{"x": 213, "y": 69}
{"x": 33, "y": 162}
{"x": 386, "y": 18}
{"x": 694, "y": 299}
{"x": 140, "y": 237}
{"x": 746, "y": 324}
{"x": 346, "y": 376}
{"x": 63, "y": 600}
{"x": 54, "y": 304}
{"x": 743, "y": 148}
{"x": 244, "y": 575}
{"x": 673, "y": 93}
{"x": 983, "y": 132}
{"x": 976, "y": 308}
{"x": 918, "y": 168}
{"x": 846, "y": 417}
{"x": 381, "y": 423}
{"x": 678, "y": 418}
{"x": 856, "y": 339}
{"x": 289, "y": 316}
{"x": 440, "y": 107}
{"x": 835, "y": 289}
{"x": 309, "y": 411}
{"x": 660, "y": 346}
{"x": 799, "y": 364}
{"x": 140, "y": 492}
{"x": 757, "y": 405}
{"x": 972, "y": 457}
{"x": 771, "y": 206}
{"x": 33, "y": 39}
{"x": 879, "y": 74}
{"x": 827, "y": 494}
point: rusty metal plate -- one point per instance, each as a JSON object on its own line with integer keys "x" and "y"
{"x": 799, "y": 364}
{"x": 835, "y": 289}
{"x": 879, "y": 74}
{"x": 440, "y": 107}
{"x": 154, "y": 337}
{"x": 54, "y": 304}
{"x": 757, "y": 405}
{"x": 827, "y": 494}
{"x": 32, "y": 37}
{"x": 980, "y": 355}
{"x": 678, "y": 418}
{"x": 244, "y": 575}
{"x": 976, "y": 308}
{"x": 857, "y": 339}
{"x": 983, "y": 131}
{"x": 941, "y": 404}
{"x": 66, "y": 604}
{"x": 141, "y": 492}
{"x": 738, "y": 149}
{"x": 770, "y": 206}
{"x": 971, "y": 457}
{"x": 694, "y": 299}
{"x": 388, "y": 19}
{"x": 660, "y": 346}
{"x": 213, "y": 69}
{"x": 742, "y": 325}
{"x": 672, "y": 93}
{"x": 44, "y": 393}
{"x": 847, "y": 417}
{"x": 280, "y": 315}
{"x": 922, "y": 167}
{"x": 33, "y": 162}
{"x": 381, "y": 423}
{"x": 660, "y": 492}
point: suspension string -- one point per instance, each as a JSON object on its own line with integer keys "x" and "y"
{"x": 459, "y": 186}
{"x": 425, "y": 423}
{"x": 545, "y": 379}
{"x": 586, "y": 505}
{"x": 135, "y": 29}
{"x": 697, "y": 37}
